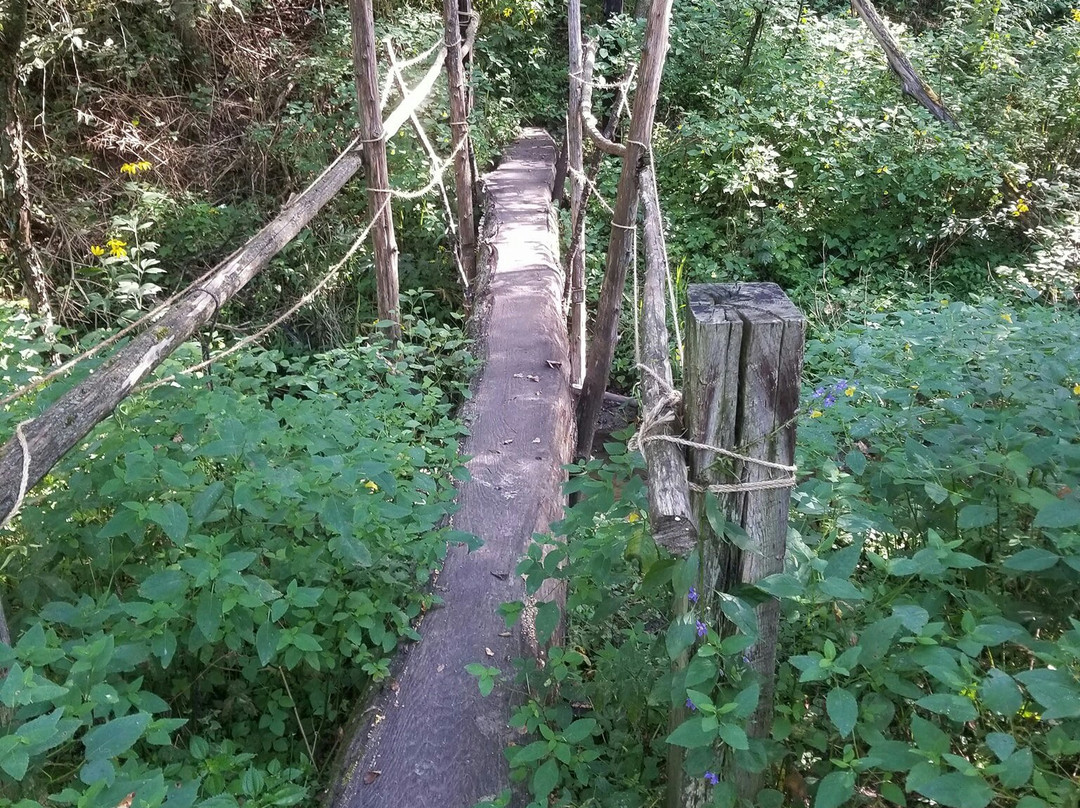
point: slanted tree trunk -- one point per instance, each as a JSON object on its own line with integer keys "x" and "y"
{"x": 459, "y": 129}
{"x": 378, "y": 175}
{"x": 14, "y": 183}
{"x": 910, "y": 81}
{"x": 751, "y": 43}
{"x": 653, "y": 54}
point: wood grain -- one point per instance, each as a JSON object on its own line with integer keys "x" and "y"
{"x": 436, "y": 742}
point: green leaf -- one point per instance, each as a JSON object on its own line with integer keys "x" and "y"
{"x": 1017, "y": 768}
{"x": 530, "y": 754}
{"x": 115, "y": 737}
{"x": 912, "y": 617}
{"x": 205, "y": 501}
{"x": 972, "y": 517}
{"x": 956, "y": 708}
{"x": 781, "y": 585}
{"x": 841, "y": 589}
{"x": 680, "y": 635}
{"x": 835, "y": 789}
{"x": 266, "y": 642}
{"x": 1056, "y": 690}
{"x": 165, "y": 585}
{"x": 843, "y": 710}
{"x": 690, "y": 734}
{"x": 172, "y": 518}
{"x": 955, "y": 790}
{"x": 936, "y": 493}
{"x": 1001, "y": 744}
{"x": 1058, "y": 514}
{"x": 579, "y": 730}
{"x": 747, "y": 700}
{"x": 734, "y": 736}
{"x": 856, "y": 461}
{"x": 545, "y": 779}
{"x": 208, "y": 614}
{"x": 548, "y": 615}
{"x": 1031, "y": 560}
{"x": 998, "y": 692}
{"x": 928, "y": 737}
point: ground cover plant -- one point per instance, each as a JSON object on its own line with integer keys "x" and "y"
{"x": 204, "y": 592}
{"x": 930, "y": 649}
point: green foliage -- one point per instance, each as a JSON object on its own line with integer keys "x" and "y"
{"x": 218, "y": 577}
{"x": 929, "y": 647}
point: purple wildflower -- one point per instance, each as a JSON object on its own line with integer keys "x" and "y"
{"x": 711, "y": 778}
{"x": 819, "y": 392}
{"x": 692, "y": 595}
{"x": 690, "y": 705}
{"x": 829, "y": 400}
{"x": 702, "y": 629}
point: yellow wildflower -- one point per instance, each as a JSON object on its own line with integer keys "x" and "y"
{"x": 633, "y": 517}
{"x": 1076, "y": 14}
{"x": 370, "y": 486}
{"x": 907, "y": 347}
{"x": 850, "y": 392}
{"x": 1076, "y": 389}
{"x": 1006, "y": 317}
{"x": 816, "y": 414}
{"x": 128, "y": 168}
{"x": 143, "y": 165}
{"x": 883, "y": 170}
{"x": 944, "y": 301}
{"x": 97, "y": 250}
{"x": 1021, "y": 207}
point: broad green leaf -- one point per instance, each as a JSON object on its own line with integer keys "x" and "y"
{"x": 936, "y": 493}
{"x": 956, "y": 708}
{"x": 1001, "y": 744}
{"x": 205, "y": 501}
{"x": 1032, "y": 559}
{"x": 680, "y": 635}
{"x": 747, "y": 700}
{"x": 734, "y": 736}
{"x": 165, "y": 585}
{"x": 955, "y": 790}
{"x": 545, "y": 779}
{"x": 912, "y": 617}
{"x": 998, "y": 692}
{"x": 781, "y": 585}
{"x": 115, "y": 737}
{"x": 1017, "y": 768}
{"x": 172, "y": 518}
{"x": 971, "y": 517}
{"x": 579, "y": 730}
{"x": 841, "y": 589}
{"x": 1056, "y": 690}
{"x": 929, "y": 738}
{"x": 531, "y": 753}
{"x": 835, "y": 789}
{"x": 843, "y": 710}
{"x": 1058, "y": 514}
{"x": 548, "y": 616}
{"x": 266, "y": 642}
{"x": 691, "y": 734}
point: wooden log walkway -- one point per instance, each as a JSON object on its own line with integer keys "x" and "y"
{"x": 433, "y": 741}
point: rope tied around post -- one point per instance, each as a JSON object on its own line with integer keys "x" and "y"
{"x": 663, "y": 413}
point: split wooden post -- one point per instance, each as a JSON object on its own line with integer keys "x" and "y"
{"x": 744, "y": 354}
{"x": 377, "y": 174}
{"x": 670, "y": 514}
{"x": 620, "y": 244}
{"x": 459, "y": 129}
{"x": 575, "y": 279}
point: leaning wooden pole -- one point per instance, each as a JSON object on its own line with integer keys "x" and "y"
{"x": 911, "y": 83}
{"x": 576, "y": 165}
{"x": 373, "y": 139}
{"x": 459, "y": 129}
{"x": 653, "y": 54}
{"x": 744, "y": 352}
{"x": 53, "y": 433}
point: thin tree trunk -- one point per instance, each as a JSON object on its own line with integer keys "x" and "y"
{"x": 751, "y": 42}
{"x": 653, "y": 54}
{"x": 378, "y": 175}
{"x": 575, "y": 164}
{"x": 14, "y": 182}
{"x": 459, "y": 128}
{"x": 910, "y": 81}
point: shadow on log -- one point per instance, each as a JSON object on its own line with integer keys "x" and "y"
{"x": 432, "y": 741}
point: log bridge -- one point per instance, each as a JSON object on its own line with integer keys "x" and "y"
{"x": 431, "y": 740}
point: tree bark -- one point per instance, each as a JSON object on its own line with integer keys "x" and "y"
{"x": 653, "y": 54}
{"x": 670, "y": 514}
{"x": 588, "y": 120}
{"x": 911, "y": 83}
{"x": 459, "y": 128}
{"x": 378, "y": 175}
{"x": 14, "y": 182}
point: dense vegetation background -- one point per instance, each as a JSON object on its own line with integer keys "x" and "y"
{"x": 200, "y": 598}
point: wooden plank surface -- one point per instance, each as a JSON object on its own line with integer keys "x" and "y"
{"x": 435, "y": 741}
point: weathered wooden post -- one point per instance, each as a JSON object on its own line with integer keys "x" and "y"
{"x": 744, "y": 353}
{"x": 459, "y": 128}
{"x": 374, "y": 153}
{"x": 575, "y": 276}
